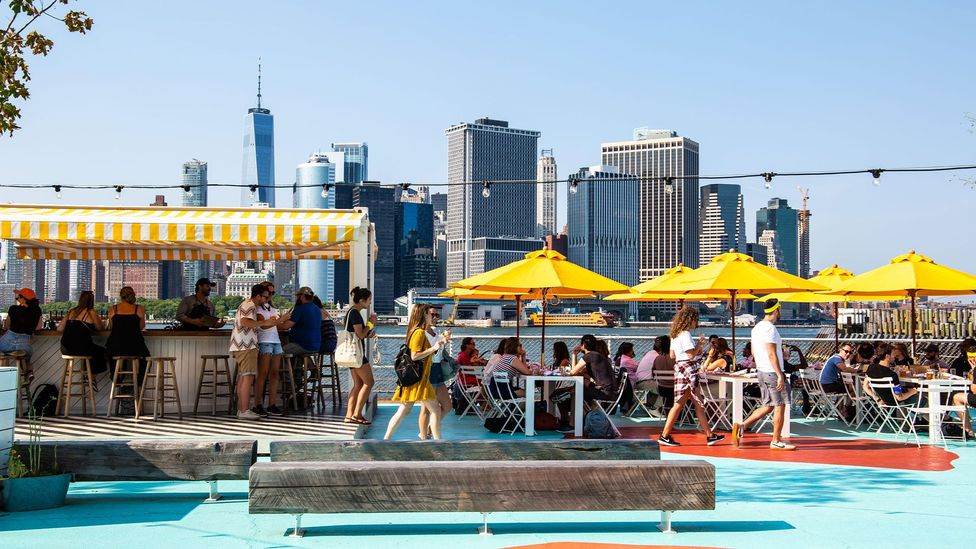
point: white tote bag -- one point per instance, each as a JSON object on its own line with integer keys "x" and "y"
{"x": 349, "y": 351}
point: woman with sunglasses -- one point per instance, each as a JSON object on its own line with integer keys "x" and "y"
{"x": 437, "y": 379}
{"x": 23, "y": 319}
{"x": 422, "y": 391}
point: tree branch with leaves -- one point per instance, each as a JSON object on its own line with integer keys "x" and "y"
{"x": 15, "y": 44}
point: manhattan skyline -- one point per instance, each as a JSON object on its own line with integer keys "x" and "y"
{"x": 768, "y": 87}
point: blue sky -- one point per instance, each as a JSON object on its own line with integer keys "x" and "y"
{"x": 777, "y": 86}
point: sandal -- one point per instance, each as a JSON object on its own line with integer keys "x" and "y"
{"x": 349, "y": 420}
{"x": 362, "y": 421}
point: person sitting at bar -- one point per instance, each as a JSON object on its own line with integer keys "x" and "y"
{"x": 931, "y": 360}
{"x": 76, "y": 330}
{"x": 305, "y": 325}
{"x": 961, "y": 366}
{"x": 23, "y": 319}
{"x": 748, "y": 361}
{"x": 126, "y": 321}
{"x": 196, "y": 312}
{"x": 881, "y": 369}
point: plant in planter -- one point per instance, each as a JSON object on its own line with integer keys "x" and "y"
{"x": 29, "y": 485}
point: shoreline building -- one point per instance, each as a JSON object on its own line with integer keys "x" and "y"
{"x": 669, "y": 212}
{"x": 415, "y": 265}
{"x": 257, "y": 171}
{"x": 603, "y": 229}
{"x": 382, "y": 204}
{"x": 546, "y": 201}
{"x": 321, "y": 170}
{"x": 355, "y": 170}
{"x": 194, "y": 178}
{"x": 489, "y": 150}
{"x": 783, "y": 220}
{"x": 723, "y": 221}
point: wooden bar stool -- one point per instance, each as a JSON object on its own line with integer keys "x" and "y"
{"x": 125, "y": 388}
{"x": 19, "y": 358}
{"x": 286, "y": 380}
{"x": 213, "y": 368}
{"x": 76, "y": 366}
{"x": 312, "y": 377}
{"x": 330, "y": 378}
{"x": 161, "y": 370}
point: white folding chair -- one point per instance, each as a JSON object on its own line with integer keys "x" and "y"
{"x": 899, "y": 417}
{"x": 505, "y": 402}
{"x": 718, "y": 409}
{"x": 472, "y": 393}
{"x": 865, "y": 403}
{"x": 946, "y": 410}
{"x": 610, "y": 406}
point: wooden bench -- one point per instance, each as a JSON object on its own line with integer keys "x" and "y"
{"x": 460, "y": 450}
{"x": 371, "y": 476}
{"x": 151, "y": 460}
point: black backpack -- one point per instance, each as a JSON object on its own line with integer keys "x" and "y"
{"x": 408, "y": 371}
{"x": 44, "y": 401}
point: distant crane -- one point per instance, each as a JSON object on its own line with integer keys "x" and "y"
{"x": 803, "y": 234}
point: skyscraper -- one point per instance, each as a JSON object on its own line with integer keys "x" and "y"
{"x": 545, "y": 202}
{"x": 170, "y": 272}
{"x": 355, "y": 162}
{"x": 321, "y": 169}
{"x": 669, "y": 213}
{"x": 803, "y": 236}
{"x": 80, "y": 275}
{"x": 258, "y": 168}
{"x": 142, "y": 276}
{"x": 57, "y": 280}
{"x": 414, "y": 265}
{"x": 723, "y": 221}
{"x": 488, "y": 150}
{"x": 778, "y": 216}
{"x": 194, "y": 177}
{"x": 381, "y": 202}
{"x": 603, "y": 227}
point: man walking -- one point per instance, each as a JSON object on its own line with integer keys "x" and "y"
{"x": 767, "y": 349}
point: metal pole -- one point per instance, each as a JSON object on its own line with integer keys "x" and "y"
{"x": 912, "y": 294}
{"x": 836, "y": 327}
{"x": 542, "y": 350}
{"x": 732, "y": 305}
{"x": 518, "y": 315}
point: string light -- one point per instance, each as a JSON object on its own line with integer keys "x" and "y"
{"x": 188, "y": 190}
{"x": 57, "y": 191}
{"x": 118, "y": 191}
{"x": 876, "y": 174}
{"x": 486, "y": 191}
{"x": 669, "y": 185}
{"x": 574, "y": 185}
{"x": 768, "y": 176}
{"x": 325, "y": 190}
{"x": 254, "y": 190}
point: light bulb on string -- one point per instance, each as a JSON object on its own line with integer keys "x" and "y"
{"x": 254, "y": 190}
{"x": 325, "y": 190}
{"x": 188, "y": 191}
{"x": 486, "y": 190}
{"x": 768, "y": 176}
{"x": 57, "y": 191}
{"x": 876, "y": 174}
{"x": 118, "y": 192}
{"x": 574, "y": 185}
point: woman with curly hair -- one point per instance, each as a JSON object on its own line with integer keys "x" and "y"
{"x": 687, "y": 357}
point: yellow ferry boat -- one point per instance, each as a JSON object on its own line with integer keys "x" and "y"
{"x": 595, "y": 319}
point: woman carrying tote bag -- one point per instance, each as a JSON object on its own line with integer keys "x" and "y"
{"x": 352, "y": 344}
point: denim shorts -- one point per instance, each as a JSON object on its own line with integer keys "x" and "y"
{"x": 273, "y": 349}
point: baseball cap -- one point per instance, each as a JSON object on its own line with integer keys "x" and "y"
{"x": 305, "y": 290}
{"x": 932, "y": 348}
{"x": 26, "y": 292}
{"x": 206, "y": 281}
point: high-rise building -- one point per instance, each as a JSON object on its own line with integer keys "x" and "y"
{"x": 559, "y": 242}
{"x": 321, "y": 170}
{"x": 57, "y": 280}
{"x": 258, "y": 166}
{"x": 488, "y": 150}
{"x": 355, "y": 162}
{"x": 774, "y": 253}
{"x": 778, "y": 216}
{"x": 723, "y": 221}
{"x": 194, "y": 178}
{"x": 17, "y": 271}
{"x": 439, "y": 200}
{"x": 489, "y": 253}
{"x": 668, "y": 208}
{"x": 100, "y": 280}
{"x": 81, "y": 278}
{"x": 381, "y": 202}
{"x": 803, "y": 236}
{"x": 240, "y": 282}
{"x": 604, "y": 234}
{"x": 171, "y": 272}
{"x": 414, "y": 265}
{"x": 142, "y": 276}
{"x": 546, "y": 201}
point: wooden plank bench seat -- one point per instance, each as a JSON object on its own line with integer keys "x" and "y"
{"x": 151, "y": 460}
{"x": 483, "y": 487}
{"x": 460, "y": 450}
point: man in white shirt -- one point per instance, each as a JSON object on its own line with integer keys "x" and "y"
{"x": 767, "y": 348}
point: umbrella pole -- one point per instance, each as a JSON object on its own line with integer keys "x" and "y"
{"x": 912, "y": 294}
{"x": 732, "y": 305}
{"x": 836, "y": 328}
{"x": 542, "y": 348}
{"x": 518, "y": 315}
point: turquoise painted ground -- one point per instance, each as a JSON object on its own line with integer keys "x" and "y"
{"x": 759, "y": 505}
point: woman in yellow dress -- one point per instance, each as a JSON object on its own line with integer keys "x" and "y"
{"x": 421, "y": 317}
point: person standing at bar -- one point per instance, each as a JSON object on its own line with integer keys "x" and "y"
{"x": 244, "y": 346}
{"x": 196, "y": 312}
{"x": 269, "y": 359}
{"x": 767, "y": 346}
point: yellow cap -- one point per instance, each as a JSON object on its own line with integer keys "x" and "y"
{"x": 772, "y": 308}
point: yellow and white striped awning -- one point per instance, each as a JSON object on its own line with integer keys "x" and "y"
{"x": 161, "y": 233}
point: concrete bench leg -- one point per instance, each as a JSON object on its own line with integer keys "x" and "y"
{"x": 298, "y": 532}
{"x": 214, "y": 492}
{"x": 665, "y": 525}
{"x": 483, "y": 529}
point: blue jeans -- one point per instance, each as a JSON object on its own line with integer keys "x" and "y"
{"x": 273, "y": 349}
{"x": 12, "y": 341}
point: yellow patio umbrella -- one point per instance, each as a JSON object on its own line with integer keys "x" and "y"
{"x": 546, "y": 272}
{"x": 462, "y": 293}
{"x": 732, "y": 274}
{"x": 832, "y": 277}
{"x": 909, "y": 275}
{"x": 646, "y": 291}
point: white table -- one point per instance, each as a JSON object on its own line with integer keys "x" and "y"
{"x": 933, "y": 388}
{"x": 738, "y": 402}
{"x": 530, "y": 401}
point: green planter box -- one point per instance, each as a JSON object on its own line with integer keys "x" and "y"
{"x": 33, "y": 493}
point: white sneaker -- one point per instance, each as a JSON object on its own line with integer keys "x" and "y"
{"x": 781, "y": 446}
{"x": 247, "y": 414}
